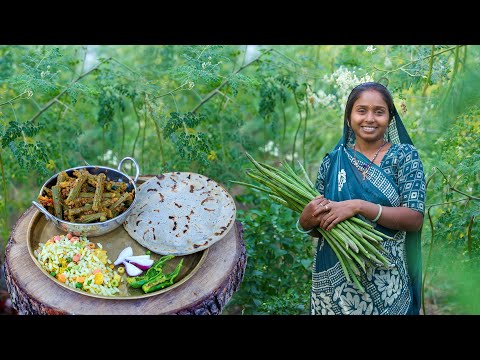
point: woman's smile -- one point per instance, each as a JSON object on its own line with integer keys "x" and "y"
{"x": 369, "y": 129}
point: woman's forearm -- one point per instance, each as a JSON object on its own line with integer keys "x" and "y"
{"x": 395, "y": 218}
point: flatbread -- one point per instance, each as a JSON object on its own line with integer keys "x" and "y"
{"x": 180, "y": 213}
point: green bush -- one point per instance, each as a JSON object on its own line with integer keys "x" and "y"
{"x": 277, "y": 278}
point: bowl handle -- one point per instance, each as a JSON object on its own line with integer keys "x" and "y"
{"x": 45, "y": 212}
{"x": 136, "y": 166}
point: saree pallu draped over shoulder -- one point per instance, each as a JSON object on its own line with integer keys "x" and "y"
{"x": 393, "y": 290}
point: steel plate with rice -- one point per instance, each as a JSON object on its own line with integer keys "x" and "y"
{"x": 180, "y": 213}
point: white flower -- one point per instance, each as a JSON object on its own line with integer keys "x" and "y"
{"x": 370, "y": 49}
{"x": 270, "y": 148}
{"x": 109, "y": 157}
{"x": 320, "y": 98}
{"x": 344, "y": 81}
{"x": 288, "y": 157}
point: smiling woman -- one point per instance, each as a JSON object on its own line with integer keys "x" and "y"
{"x": 374, "y": 173}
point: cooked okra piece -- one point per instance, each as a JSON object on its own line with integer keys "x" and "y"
{"x": 79, "y": 210}
{"x": 66, "y": 214}
{"x": 91, "y": 217}
{"x": 80, "y": 201}
{"x": 65, "y": 184}
{"x": 76, "y": 188}
{"x": 99, "y": 191}
{"x": 108, "y": 213}
{"x": 57, "y": 205}
{"x": 116, "y": 186}
{"x": 106, "y": 203}
{"x": 121, "y": 200}
{"x": 85, "y": 204}
{"x": 62, "y": 177}
{"x": 65, "y": 208}
{"x": 92, "y": 179}
{"x": 91, "y": 195}
{"x": 80, "y": 172}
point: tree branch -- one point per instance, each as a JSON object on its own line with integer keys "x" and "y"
{"x": 471, "y": 197}
{"x": 126, "y": 67}
{"x": 216, "y": 90}
{"x": 55, "y": 99}
{"x": 170, "y": 92}
{"x": 430, "y": 68}
{"x": 417, "y": 60}
{"x": 18, "y": 97}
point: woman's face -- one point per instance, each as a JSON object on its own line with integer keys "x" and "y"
{"x": 369, "y": 118}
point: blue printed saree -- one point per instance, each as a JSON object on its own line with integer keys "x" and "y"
{"x": 397, "y": 181}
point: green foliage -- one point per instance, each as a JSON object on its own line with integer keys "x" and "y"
{"x": 15, "y": 130}
{"x": 455, "y": 193}
{"x": 291, "y": 303}
{"x": 41, "y": 71}
{"x": 200, "y": 108}
{"x": 277, "y": 279}
{"x": 29, "y": 154}
{"x": 181, "y": 121}
{"x": 202, "y": 63}
{"x": 192, "y": 147}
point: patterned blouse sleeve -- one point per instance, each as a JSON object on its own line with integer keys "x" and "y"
{"x": 411, "y": 179}
{"x": 322, "y": 172}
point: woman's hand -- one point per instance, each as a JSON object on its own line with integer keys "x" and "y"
{"x": 336, "y": 212}
{"x": 313, "y": 213}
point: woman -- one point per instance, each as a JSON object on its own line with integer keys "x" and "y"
{"x": 374, "y": 173}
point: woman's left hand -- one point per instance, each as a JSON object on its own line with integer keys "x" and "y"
{"x": 337, "y": 212}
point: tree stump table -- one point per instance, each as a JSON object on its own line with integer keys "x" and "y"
{"x": 206, "y": 292}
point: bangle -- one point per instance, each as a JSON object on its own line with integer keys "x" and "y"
{"x": 303, "y": 231}
{"x": 379, "y": 213}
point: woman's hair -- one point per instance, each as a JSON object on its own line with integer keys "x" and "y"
{"x": 359, "y": 89}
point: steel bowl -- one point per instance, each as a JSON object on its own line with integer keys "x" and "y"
{"x": 98, "y": 228}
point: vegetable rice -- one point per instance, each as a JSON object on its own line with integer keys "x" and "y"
{"x": 79, "y": 263}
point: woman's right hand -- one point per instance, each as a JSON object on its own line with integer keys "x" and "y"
{"x": 313, "y": 213}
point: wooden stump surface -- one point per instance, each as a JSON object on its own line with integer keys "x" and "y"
{"x": 206, "y": 292}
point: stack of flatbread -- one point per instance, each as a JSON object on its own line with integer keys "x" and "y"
{"x": 180, "y": 213}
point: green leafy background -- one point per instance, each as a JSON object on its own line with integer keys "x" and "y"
{"x": 200, "y": 108}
